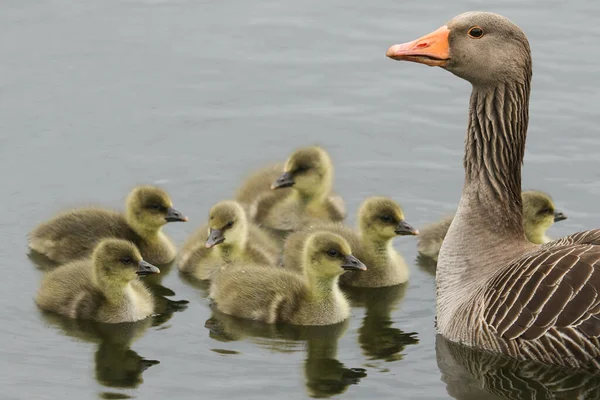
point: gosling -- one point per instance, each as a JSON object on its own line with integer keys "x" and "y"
{"x": 302, "y": 193}
{"x": 380, "y": 220}
{"x": 103, "y": 288}
{"x": 74, "y": 234}
{"x": 272, "y": 294}
{"x": 227, "y": 238}
{"x": 539, "y": 213}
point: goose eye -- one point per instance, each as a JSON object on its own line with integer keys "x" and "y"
{"x": 332, "y": 253}
{"x": 302, "y": 168}
{"x": 229, "y": 224}
{"x": 545, "y": 211}
{"x": 157, "y": 207}
{"x": 386, "y": 218}
{"x": 126, "y": 260}
{"x": 476, "y": 32}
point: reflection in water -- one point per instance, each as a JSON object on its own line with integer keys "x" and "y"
{"x": 472, "y": 374}
{"x": 325, "y": 375}
{"x": 116, "y": 364}
{"x": 164, "y": 307}
{"x": 201, "y": 285}
{"x": 377, "y": 338}
{"x": 114, "y": 396}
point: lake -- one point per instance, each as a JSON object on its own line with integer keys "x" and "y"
{"x": 98, "y": 96}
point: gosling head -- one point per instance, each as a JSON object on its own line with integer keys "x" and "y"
{"x": 151, "y": 207}
{"x": 308, "y": 170}
{"x": 327, "y": 254}
{"x": 227, "y": 224}
{"x": 120, "y": 261}
{"x": 382, "y": 218}
{"x": 539, "y": 214}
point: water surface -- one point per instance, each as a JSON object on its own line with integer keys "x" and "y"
{"x": 96, "y": 97}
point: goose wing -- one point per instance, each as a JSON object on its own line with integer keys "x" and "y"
{"x": 556, "y": 286}
{"x": 585, "y": 237}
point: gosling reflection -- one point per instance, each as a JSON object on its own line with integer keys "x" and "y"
{"x": 325, "y": 375}
{"x": 116, "y": 364}
{"x": 377, "y": 338}
{"x": 202, "y": 285}
{"x": 470, "y": 374}
{"x": 164, "y": 307}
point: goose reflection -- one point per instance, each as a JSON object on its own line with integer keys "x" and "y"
{"x": 471, "y": 374}
{"x": 325, "y": 375}
{"x": 117, "y": 365}
{"x": 377, "y": 338}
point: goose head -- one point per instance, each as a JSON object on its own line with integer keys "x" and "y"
{"x": 480, "y": 47}
{"x": 329, "y": 255}
{"x": 539, "y": 213}
{"x": 119, "y": 262}
{"x": 382, "y": 218}
{"x": 308, "y": 170}
{"x": 149, "y": 208}
{"x": 227, "y": 224}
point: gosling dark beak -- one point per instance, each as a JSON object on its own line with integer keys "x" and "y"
{"x": 145, "y": 364}
{"x": 559, "y": 216}
{"x": 285, "y": 180}
{"x": 175, "y": 216}
{"x": 353, "y": 264}
{"x": 215, "y": 237}
{"x": 404, "y": 228}
{"x": 145, "y": 268}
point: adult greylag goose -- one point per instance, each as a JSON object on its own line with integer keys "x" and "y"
{"x": 517, "y": 298}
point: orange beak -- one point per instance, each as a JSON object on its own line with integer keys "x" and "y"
{"x": 432, "y": 49}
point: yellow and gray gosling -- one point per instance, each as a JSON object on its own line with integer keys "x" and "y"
{"x": 539, "y": 213}
{"x": 74, "y": 234}
{"x": 290, "y": 197}
{"x": 380, "y": 220}
{"x": 227, "y": 238}
{"x": 272, "y": 294}
{"x": 103, "y": 288}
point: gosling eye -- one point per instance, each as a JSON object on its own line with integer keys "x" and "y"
{"x": 126, "y": 260}
{"x": 158, "y": 207}
{"x": 475, "y": 32}
{"x": 386, "y": 218}
{"x": 229, "y": 225}
{"x": 332, "y": 253}
{"x": 546, "y": 211}
{"x": 302, "y": 168}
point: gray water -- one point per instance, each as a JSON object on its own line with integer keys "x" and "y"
{"x": 98, "y": 96}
